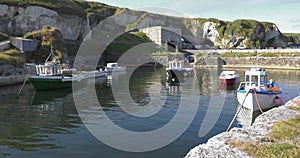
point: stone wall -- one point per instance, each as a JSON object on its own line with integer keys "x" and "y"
{"x": 9, "y": 80}
{"x": 4, "y": 45}
{"x": 218, "y": 146}
{"x": 264, "y": 62}
{"x": 160, "y": 35}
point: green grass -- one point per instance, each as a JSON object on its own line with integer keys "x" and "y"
{"x": 281, "y": 142}
{"x": 11, "y": 57}
{"x": 293, "y": 38}
{"x": 46, "y": 37}
{"x": 285, "y": 54}
{"x": 126, "y": 41}
{"x": 282, "y": 150}
{"x": 294, "y": 108}
{"x": 61, "y": 6}
{"x": 229, "y": 54}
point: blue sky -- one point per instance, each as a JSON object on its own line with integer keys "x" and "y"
{"x": 284, "y": 13}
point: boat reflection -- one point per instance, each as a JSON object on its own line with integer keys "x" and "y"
{"x": 228, "y": 89}
{"x": 173, "y": 88}
{"x": 35, "y": 124}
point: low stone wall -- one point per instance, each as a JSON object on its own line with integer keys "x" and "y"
{"x": 270, "y": 62}
{"x": 263, "y": 62}
{"x": 9, "y": 80}
{"x": 218, "y": 146}
{"x": 4, "y": 45}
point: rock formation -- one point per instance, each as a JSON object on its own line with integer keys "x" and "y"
{"x": 18, "y": 20}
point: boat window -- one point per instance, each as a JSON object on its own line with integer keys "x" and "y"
{"x": 263, "y": 79}
{"x": 254, "y": 80}
{"x": 247, "y": 80}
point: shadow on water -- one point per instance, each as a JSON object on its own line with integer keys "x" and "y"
{"x": 31, "y": 122}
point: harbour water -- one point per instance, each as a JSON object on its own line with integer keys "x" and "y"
{"x": 46, "y": 124}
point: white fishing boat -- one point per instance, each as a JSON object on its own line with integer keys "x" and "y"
{"x": 178, "y": 68}
{"x": 114, "y": 67}
{"x": 94, "y": 74}
{"x": 229, "y": 77}
{"x": 257, "y": 92}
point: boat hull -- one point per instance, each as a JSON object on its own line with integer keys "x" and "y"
{"x": 265, "y": 100}
{"x": 230, "y": 81}
{"x": 40, "y": 83}
{"x": 180, "y": 72}
{"x": 115, "y": 69}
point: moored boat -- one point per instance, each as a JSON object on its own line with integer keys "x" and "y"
{"x": 94, "y": 74}
{"x": 258, "y": 93}
{"x": 229, "y": 77}
{"x": 50, "y": 76}
{"x": 178, "y": 68}
{"x": 53, "y": 75}
{"x": 114, "y": 67}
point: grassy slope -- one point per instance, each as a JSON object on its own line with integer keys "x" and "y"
{"x": 293, "y": 38}
{"x": 11, "y": 57}
{"x": 125, "y": 42}
{"x": 45, "y": 38}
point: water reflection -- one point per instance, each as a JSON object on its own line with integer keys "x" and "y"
{"x": 48, "y": 120}
{"x": 29, "y": 125}
{"x": 228, "y": 89}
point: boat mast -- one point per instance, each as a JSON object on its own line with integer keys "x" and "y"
{"x": 50, "y": 55}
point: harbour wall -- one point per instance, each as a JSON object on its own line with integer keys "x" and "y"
{"x": 10, "y": 80}
{"x": 218, "y": 146}
{"x": 263, "y": 62}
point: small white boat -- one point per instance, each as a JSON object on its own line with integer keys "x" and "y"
{"x": 229, "y": 77}
{"x": 179, "y": 68}
{"x": 94, "y": 74}
{"x": 113, "y": 67}
{"x": 258, "y": 93}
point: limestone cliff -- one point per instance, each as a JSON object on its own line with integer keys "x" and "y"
{"x": 18, "y": 20}
{"x": 209, "y": 32}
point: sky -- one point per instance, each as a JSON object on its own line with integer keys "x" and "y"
{"x": 284, "y": 13}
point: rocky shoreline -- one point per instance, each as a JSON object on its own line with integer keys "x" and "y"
{"x": 218, "y": 146}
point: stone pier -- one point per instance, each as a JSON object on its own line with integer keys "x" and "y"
{"x": 218, "y": 146}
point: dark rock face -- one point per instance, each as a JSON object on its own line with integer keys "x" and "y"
{"x": 10, "y": 70}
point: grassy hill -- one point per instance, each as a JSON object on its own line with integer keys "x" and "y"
{"x": 293, "y": 38}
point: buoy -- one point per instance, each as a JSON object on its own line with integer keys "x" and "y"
{"x": 277, "y": 101}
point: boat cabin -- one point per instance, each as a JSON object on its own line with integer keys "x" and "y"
{"x": 112, "y": 65}
{"x": 49, "y": 69}
{"x": 255, "y": 78}
{"x": 228, "y": 74}
{"x": 176, "y": 64}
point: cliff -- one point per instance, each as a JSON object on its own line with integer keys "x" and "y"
{"x": 75, "y": 18}
{"x": 69, "y": 21}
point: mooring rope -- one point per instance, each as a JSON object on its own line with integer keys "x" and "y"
{"x": 23, "y": 84}
{"x": 257, "y": 102}
{"x": 237, "y": 112}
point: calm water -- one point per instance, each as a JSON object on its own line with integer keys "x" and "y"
{"x": 46, "y": 124}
